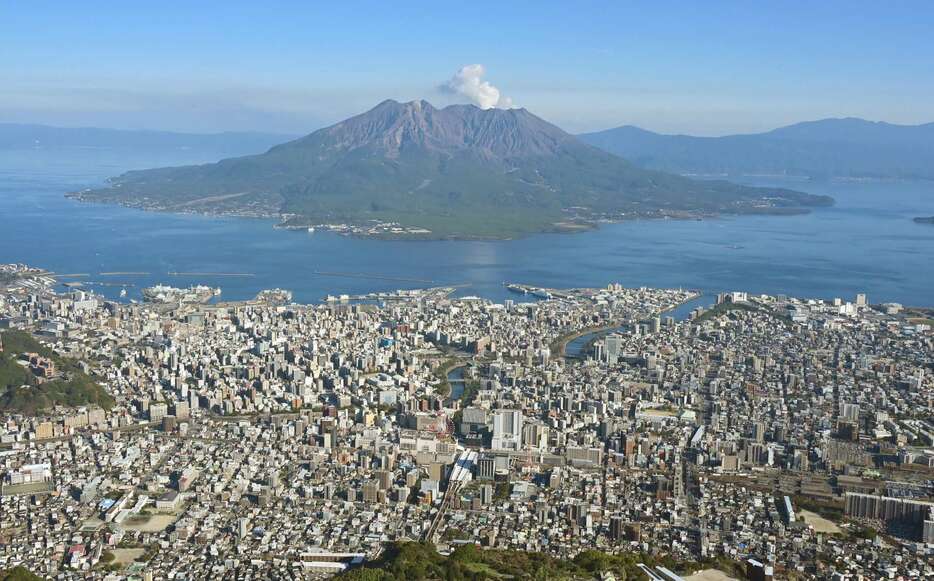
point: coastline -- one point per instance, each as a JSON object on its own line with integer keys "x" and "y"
{"x": 637, "y": 250}
{"x": 378, "y": 230}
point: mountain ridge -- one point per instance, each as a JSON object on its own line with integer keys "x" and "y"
{"x": 35, "y": 135}
{"x": 834, "y": 147}
{"x": 459, "y": 171}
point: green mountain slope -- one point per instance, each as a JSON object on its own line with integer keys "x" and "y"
{"x": 420, "y": 561}
{"x": 20, "y": 390}
{"x": 19, "y": 573}
{"x": 458, "y": 171}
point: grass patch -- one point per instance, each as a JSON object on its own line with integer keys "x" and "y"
{"x": 727, "y": 308}
{"x": 18, "y": 573}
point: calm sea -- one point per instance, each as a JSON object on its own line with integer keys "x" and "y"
{"x": 866, "y": 243}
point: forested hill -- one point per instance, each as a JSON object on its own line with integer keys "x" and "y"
{"x": 460, "y": 171}
{"x": 22, "y": 391}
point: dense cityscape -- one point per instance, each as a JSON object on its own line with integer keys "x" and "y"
{"x": 191, "y": 438}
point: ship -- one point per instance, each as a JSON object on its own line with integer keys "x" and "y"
{"x": 167, "y": 294}
{"x": 275, "y": 296}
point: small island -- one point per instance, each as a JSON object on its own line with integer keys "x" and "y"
{"x": 925, "y": 219}
{"x": 411, "y": 171}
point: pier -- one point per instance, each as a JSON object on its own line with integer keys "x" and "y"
{"x": 173, "y": 273}
{"x": 124, "y": 273}
{"x": 372, "y": 276}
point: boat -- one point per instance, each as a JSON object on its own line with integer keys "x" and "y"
{"x": 275, "y": 296}
{"x": 167, "y": 294}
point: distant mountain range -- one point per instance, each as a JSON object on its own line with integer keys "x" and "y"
{"x": 827, "y": 148}
{"x": 459, "y": 171}
{"x": 25, "y": 136}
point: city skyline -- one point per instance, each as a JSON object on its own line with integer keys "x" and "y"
{"x": 759, "y": 437}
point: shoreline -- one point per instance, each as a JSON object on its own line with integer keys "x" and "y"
{"x": 420, "y": 234}
{"x": 56, "y": 280}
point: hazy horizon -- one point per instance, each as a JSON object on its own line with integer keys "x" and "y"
{"x": 300, "y": 133}
{"x": 677, "y": 68}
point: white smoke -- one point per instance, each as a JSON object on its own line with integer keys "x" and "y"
{"x": 469, "y": 82}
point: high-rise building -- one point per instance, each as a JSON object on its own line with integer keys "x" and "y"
{"x": 758, "y": 571}
{"x": 613, "y": 347}
{"x": 384, "y": 478}
{"x": 371, "y": 492}
{"x": 486, "y": 494}
{"x": 535, "y": 435}
{"x": 886, "y": 508}
{"x": 486, "y": 468}
{"x": 758, "y": 431}
{"x": 507, "y": 430}
{"x": 554, "y": 479}
{"x": 849, "y": 412}
{"x": 927, "y": 534}
{"x": 157, "y": 411}
{"x": 599, "y": 350}
{"x": 617, "y": 527}
{"x": 574, "y": 512}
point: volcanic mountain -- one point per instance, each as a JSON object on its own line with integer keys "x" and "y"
{"x": 459, "y": 171}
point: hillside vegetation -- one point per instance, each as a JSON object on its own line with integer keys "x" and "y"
{"x": 18, "y": 573}
{"x": 21, "y": 391}
{"x": 420, "y": 561}
{"x": 458, "y": 171}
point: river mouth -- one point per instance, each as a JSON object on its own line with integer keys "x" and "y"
{"x": 580, "y": 347}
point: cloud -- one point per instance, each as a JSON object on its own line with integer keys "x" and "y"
{"x": 469, "y": 83}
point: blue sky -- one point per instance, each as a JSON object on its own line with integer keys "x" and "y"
{"x": 693, "y": 67}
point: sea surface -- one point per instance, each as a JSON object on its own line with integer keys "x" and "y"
{"x": 866, "y": 243}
